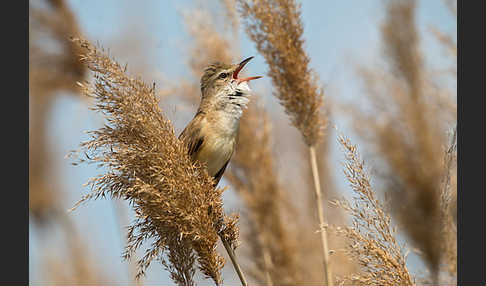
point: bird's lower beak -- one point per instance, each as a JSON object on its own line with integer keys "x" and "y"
{"x": 239, "y": 68}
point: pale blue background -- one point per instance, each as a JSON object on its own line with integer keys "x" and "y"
{"x": 337, "y": 34}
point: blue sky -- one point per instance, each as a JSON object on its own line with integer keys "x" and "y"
{"x": 337, "y": 33}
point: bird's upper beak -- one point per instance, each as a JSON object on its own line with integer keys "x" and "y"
{"x": 239, "y": 68}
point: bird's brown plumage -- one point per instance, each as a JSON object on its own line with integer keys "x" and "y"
{"x": 207, "y": 144}
{"x": 211, "y": 135}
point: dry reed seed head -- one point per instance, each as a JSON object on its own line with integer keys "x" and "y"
{"x": 276, "y": 28}
{"x": 272, "y": 246}
{"x": 44, "y": 197}
{"x": 50, "y": 70}
{"x": 419, "y": 191}
{"x": 405, "y": 129}
{"x": 173, "y": 197}
{"x": 210, "y": 45}
{"x": 448, "y": 209}
{"x": 401, "y": 43}
{"x": 231, "y": 14}
{"x": 371, "y": 238}
{"x": 230, "y": 231}
{"x": 182, "y": 260}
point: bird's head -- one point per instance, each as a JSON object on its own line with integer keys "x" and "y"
{"x": 219, "y": 77}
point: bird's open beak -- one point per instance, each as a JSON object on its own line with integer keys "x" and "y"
{"x": 239, "y": 68}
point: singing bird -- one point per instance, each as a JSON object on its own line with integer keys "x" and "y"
{"x": 212, "y": 134}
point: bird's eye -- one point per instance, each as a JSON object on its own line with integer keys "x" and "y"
{"x": 223, "y": 75}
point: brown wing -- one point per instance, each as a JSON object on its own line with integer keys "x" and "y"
{"x": 192, "y": 138}
{"x": 220, "y": 173}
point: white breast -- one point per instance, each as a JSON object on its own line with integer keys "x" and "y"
{"x": 221, "y": 131}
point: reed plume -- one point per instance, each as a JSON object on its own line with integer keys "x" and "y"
{"x": 176, "y": 204}
{"x": 230, "y": 7}
{"x": 276, "y": 28}
{"x": 406, "y": 125}
{"x": 273, "y": 236}
{"x": 208, "y": 45}
{"x": 448, "y": 207}
{"x": 50, "y": 72}
{"x": 372, "y": 240}
{"x": 54, "y": 69}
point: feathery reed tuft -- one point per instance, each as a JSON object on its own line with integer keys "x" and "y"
{"x": 448, "y": 206}
{"x": 51, "y": 70}
{"x": 401, "y": 43}
{"x": 276, "y": 28}
{"x": 274, "y": 247}
{"x": 208, "y": 45}
{"x": 174, "y": 199}
{"x": 231, "y": 14}
{"x": 404, "y": 126}
{"x": 371, "y": 239}
{"x": 54, "y": 69}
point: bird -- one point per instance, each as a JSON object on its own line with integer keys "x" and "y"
{"x": 211, "y": 136}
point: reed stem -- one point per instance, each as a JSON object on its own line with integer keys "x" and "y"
{"x": 322, "y": 226}
{"x": 232, "y": 256}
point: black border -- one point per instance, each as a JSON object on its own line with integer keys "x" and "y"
{"x": 15, "y": 134}
{"x": 470, "y": 207}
